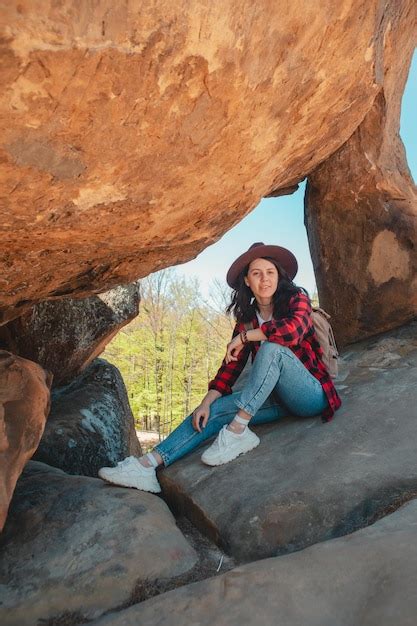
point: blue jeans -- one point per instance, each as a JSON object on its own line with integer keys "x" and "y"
{"x": 275, "y": 369}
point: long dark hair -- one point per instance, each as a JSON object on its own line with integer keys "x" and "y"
{"x": 244, "y": 309}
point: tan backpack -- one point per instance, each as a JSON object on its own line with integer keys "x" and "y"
{"x": 325, "y": 337}
{"x": 326, "y": 340}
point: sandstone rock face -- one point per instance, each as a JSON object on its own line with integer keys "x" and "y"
{"x": 365, "y": 578}
{"x": 307, "y": 481}
{"x": 73, "y": 547}
{"x": 165, "y": 123}
{"x": 65, "y": 335}
{"x": 24, "y": 406}
{"x": 361, "y": 215}
{"x": 90, "y": 424}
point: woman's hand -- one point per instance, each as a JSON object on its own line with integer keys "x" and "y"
{"x": 233, "y": 349}
{"x": 202, "y": 412}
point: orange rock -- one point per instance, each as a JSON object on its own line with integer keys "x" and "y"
{"x": 135, "y": 137}
{"x": 24, "y": 407}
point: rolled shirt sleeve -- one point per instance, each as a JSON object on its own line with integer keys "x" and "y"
{"x": 228, "y": 373}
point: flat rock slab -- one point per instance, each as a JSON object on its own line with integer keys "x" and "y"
{"x": 307, "y": 481}
{"x": 90, "y": 424}
{"x": 364, "y": 579}
{"x": 74, "y": 547}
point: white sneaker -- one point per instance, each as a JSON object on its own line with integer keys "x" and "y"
{"x": 228, "y": 445}
{"x": 131, "y": 473}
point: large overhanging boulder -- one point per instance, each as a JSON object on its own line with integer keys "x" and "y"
{"x": 135, "y": 135}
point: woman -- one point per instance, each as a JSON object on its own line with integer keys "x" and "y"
{"x": 288, "y": 375}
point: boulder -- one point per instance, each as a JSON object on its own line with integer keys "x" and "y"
{"x": 308, "y": 481}
{"x": 361, "y": 216}
{"x": 24, "y": 406}
{"x": 365, "y": 578}
{"x": 65, "y": 335}
{"x": 90, "y": 424}
{"x": 74, "y": 547}
{"x": 165, "y": 123}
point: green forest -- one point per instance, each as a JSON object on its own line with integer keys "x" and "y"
{"x": 169, "y": 353}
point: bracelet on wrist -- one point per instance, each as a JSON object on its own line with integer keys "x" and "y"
{"x": 244, "y": 337}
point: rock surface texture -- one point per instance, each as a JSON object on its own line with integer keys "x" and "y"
{"x": 361, "y": 212}
{"x": 367, "y": 578}
{"x": 24, "y": 407}
{"x": 74, "y": 547}
{"x": 90, "y": 424}
{"x": 148, "y": 130}
{"x": 307, "y": 481}
{"x": 65, "y": 335}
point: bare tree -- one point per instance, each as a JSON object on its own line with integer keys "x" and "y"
{"x": 155, "y": 294}
{"x": 220, "y": 295}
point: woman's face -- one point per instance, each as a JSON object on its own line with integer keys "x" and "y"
{"x": 262, "y": 278}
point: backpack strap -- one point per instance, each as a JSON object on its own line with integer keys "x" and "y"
{"x": 322, "y": 311}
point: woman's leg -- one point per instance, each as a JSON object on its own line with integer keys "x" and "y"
{"x": 276, "y": 368}
{"x": 133, "y": 472}
{"x": 184, "y": 438}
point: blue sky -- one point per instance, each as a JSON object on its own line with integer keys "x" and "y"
{"x": 280, "y": 220}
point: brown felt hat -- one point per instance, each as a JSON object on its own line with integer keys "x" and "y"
{"x": 258, "y": 250}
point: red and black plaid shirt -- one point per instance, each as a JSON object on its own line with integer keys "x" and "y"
{"x": 296, "y": 331}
